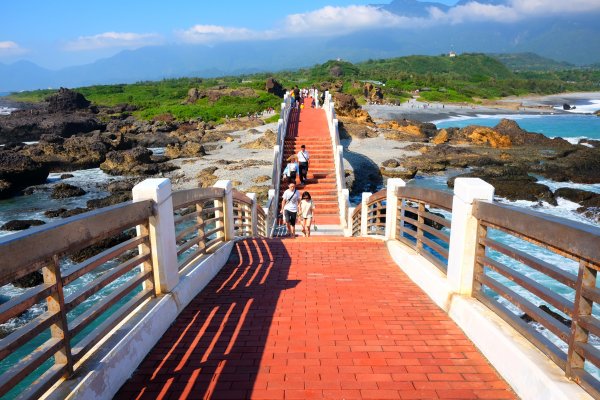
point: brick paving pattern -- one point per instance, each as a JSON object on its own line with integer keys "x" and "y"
{"x": 330, "y": 318}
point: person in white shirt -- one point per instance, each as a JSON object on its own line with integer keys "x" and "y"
{"x": 289, "y": 207}
{"x": 306, "y": 213}
{"x": 303, "y": 158}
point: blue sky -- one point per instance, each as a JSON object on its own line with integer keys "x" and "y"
{"x": 59, "y": 33}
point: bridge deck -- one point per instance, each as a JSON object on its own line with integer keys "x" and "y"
{"x": 313, "y": 318}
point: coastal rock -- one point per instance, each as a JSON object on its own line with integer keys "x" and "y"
{"x": 30, "y": 280}
{"x": 408, "y": 130}
{"x": 574, "y": 195}
{"x": 55, "y": 213}
{"x": 391, "y": 163}
{"x": 521, "y": 137}
{"x": 30, "y": 125}
{"x": 66, "y": 100}
{"x": 113, "y": 199}
{"x": 274, "y": 87}
{"x": 192, "y": 96}
{"x": 206, "y": 177}
{"x": 120, "y": 186}
{"x": 398, "y": 173}
{"x": 266, "y": 141}
{"x": 65, "y": 190}
{"x": 81, "y": 152}
{"x": 581, "y": 166}
{"x": 18, "y": 172}
{"x": 20, "y": 224}
{"x": 136, "y": 161}
{"x": 346, "y": 106}
{"x": 441, "y": 137}
{"x": 188, "y": 149}
{"x": 486, "y": 136}
{"x": 512, "y": 183}
{"x": 349, "y": 129}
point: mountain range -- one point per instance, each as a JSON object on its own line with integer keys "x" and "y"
{"x": 566, "y": 38}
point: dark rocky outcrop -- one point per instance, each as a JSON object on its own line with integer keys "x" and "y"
{"x": 65, "y": 190}
{"x": 30, "y": 280}
{"x": 187, "y": 149}
{"x": 18, "y": 172}
{"x": 137, "y": 161}
{"x": 66, "y": 100}
{"x": 581, "y": 165}
{"x": 20, "y": 224}
{"x": 513, "y": 183}
{"x": 113, "y": 199}
{"x": 274, "y": 87}
{"x": 565, "y": 321}
{"x": 266, "y": 141}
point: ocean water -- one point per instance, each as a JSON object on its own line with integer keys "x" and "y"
{"x": 572, "y": 127}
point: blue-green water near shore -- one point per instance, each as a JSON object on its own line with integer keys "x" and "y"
{"x": 569, "y": 126}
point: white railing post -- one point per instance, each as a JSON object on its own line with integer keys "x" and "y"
{"x": 391, "y": 212}
{"x": 162, "y": 232}
{"x": 344, "y": 200}
{"x": 252, "y": 196}
{"x": 350, "y": 223}
{"x": 463, "y": 232}
{"x": 364, "y": 213}
{"x": 227, "y": 213}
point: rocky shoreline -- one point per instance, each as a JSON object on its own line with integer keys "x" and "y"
{"x": 197, "y": 153}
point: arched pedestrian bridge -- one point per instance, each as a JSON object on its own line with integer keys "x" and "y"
{"x": 413, "y": 293}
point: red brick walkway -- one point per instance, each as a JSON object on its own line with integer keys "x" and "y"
{"x": 327, "y": 318}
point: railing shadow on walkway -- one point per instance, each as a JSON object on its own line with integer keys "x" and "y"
{"x": 215, "y": 347}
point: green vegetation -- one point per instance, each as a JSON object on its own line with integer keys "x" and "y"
{"x": 530, "y": 62}
{"x": 465, "y": 78}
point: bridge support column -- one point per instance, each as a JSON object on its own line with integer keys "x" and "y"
{"x": 463, "y": 232}
{"x": 227, "y": 213}
{"x": 162, "y": 232}
{"x": 391, "y": 213}
{"x": 364, "y": 213}
{"x": 252, "y": 196}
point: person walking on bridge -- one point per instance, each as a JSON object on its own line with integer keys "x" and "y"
{"x": 289, "y": 207}
{"x": 303, "y": 158}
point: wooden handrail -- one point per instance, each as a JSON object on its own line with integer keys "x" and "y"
{"x": 22, "y": 253}
{"x": 567, "y": 237}
{"x": 185, "y": 198}
{"x": 430, "y": 196}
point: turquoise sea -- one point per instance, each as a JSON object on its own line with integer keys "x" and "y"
{"x": 572, "y": 127}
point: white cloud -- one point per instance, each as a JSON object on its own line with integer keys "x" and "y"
{"x": 208, "y": 34}
{"x": 331, "y": 21}
{"x": 337, "y": 20}
{"x": 9, "y": 48}
{"x": 513, "y": 10}
{"x": 113, "y": 40}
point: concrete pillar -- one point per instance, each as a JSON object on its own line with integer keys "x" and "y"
{"x": 162, "y": 232}
{"x": 254, "y": 211}
{"x": 227, "y": 214}
{"x": 364, "y": 212}
{"x": 463, "y": 232}
{"x": 391, "y": 212}
{"x": 348, "y": 230}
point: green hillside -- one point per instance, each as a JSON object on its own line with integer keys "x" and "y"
{"x": 531, "y": 62}
{"x": 464, "y": 78}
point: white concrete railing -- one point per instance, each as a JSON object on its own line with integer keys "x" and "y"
{"x": 178, "y": 256}
{"x": 456, "y": 285}
{"x": 338, "y": 159}
{"x": 278, "y": 151}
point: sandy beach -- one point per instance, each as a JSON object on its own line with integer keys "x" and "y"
{"x": 431, "y": 112}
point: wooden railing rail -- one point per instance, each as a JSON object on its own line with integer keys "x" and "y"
{"x": 356, "y": 221}
{"x": 242, "y": 214}
{"x": 199, "y": 222}
{"x": 427, "y": 232}
{"x": 376, "y": 210}
{"x": 75, "y": 319}
{"x": 504, "y": 273}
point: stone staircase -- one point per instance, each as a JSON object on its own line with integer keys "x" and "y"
{"x": 309, "y": 127}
